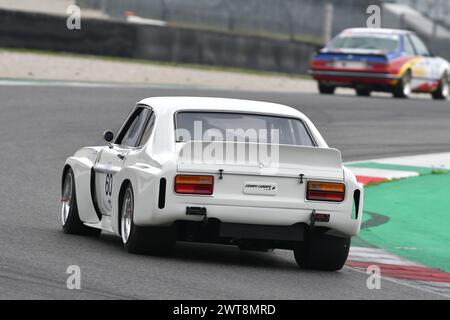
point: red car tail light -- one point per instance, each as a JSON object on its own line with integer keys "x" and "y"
{"x": 379, "y": 66}
{"x": 319, "y": 63}
{"x": 187, "y": 184}
{"x": 325, "y": 191}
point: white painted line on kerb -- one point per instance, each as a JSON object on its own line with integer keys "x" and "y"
{"x": 435, "y": 160}
{"x": 432, "y": 160}
{"x": 382, "y": 173}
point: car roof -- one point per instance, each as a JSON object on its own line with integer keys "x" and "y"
{"x": 386, "y": 31}
{"x": 174, "y": 104}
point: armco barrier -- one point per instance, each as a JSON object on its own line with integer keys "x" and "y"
{"x": 118, "y": 38}
{"x": 48, "y": 32}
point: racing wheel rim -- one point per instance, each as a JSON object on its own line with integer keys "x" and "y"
{"x": 66, "y": 200}
{"x": 407, "y": 85}
{"x": 445, "y": 87}
{"x": 126, "y": 217}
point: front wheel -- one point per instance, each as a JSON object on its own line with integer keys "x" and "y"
{"x": 442, "y": 91}
{"x": 322, "y": 252}
{"x": 403, "y": 88}
{"x": 70, "y": 219}
{"x": 139, "y": 239}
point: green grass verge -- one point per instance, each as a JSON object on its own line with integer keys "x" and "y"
{"x": 418, "y": 228}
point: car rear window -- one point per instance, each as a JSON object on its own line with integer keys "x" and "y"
{"x": 241, "y": 127}
{"x": 387, "y": 43}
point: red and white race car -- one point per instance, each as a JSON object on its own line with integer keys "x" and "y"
{"x": 389, "y": 60}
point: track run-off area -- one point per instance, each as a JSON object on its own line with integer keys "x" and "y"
{"x": 405, "y": 223}
{"x": 42, "y": 125}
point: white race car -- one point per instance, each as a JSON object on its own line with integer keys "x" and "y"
{"x": 253, "y": 174}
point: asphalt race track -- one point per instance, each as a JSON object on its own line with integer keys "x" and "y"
{"x": 41, "y": 126}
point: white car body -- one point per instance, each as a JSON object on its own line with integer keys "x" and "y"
{"x": 100, "y": 175}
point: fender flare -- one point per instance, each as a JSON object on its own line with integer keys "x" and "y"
{"x": 144, "y": 180}
{"x": 81, "y": 164}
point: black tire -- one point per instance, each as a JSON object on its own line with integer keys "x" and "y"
{"x": 442, "y": 91}
{"x": 362, "y": 92}
{"x": 145, "y": 240}
{"x": 403, "y": 88}
{"x": 325, "y": 88}
{"x": 322, "y": 252}
{"x": 71, "y": 222}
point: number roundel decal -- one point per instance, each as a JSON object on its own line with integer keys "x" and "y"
{"x": 108, "y": 184}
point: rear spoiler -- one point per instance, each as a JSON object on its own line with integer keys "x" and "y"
{"x": 377, "y": 53}
{"x": 271, "y": 160}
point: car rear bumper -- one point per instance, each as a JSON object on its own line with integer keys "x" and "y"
{"x": 339, "y": 221}
{"x": 235, "y": 208}
{"x": 293, "y": 232}
{"x": 353, "y": 78}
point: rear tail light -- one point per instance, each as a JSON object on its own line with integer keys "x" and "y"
{"x": 320, "y": 63}
{"x": 325, "y": 191}
{"x": 186, "y": 184}
{"x": 377, "y": 66}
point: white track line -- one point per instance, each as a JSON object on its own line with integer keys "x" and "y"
{"x": 435, "y": 160}
{"x": 82, "y": 84}
{"x": 382, "y": 173}
{"x": 431, "y": 160}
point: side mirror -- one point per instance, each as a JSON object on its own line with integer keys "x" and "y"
{"x": 108, "y": 135}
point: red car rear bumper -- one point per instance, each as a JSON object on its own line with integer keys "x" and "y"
{"x": 351, "y": 78}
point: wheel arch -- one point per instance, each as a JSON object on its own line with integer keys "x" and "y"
{"x": 64, "y": 172}
{"x": 81, "y": 168}
{"x": 408, "y": 70}
{"x": 144, "y": 180}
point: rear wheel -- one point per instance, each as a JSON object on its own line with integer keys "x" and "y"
{"x": 442, "y": 90}
{"x": 322, "y": 252}
{"x": 138, "y": 239}
{"x": 70, "y": 220}
{"x": 362, "y": 92}
{"x": 403, "y": 88}
{"x": 325, "y": 88}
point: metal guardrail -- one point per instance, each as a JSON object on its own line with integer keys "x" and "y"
{"x": 303, "y": 20}
{"x": 310, "y": 21}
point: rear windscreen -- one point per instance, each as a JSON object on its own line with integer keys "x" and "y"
{"x": 240, "y": 127}
{"x": 387, "y": 43}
